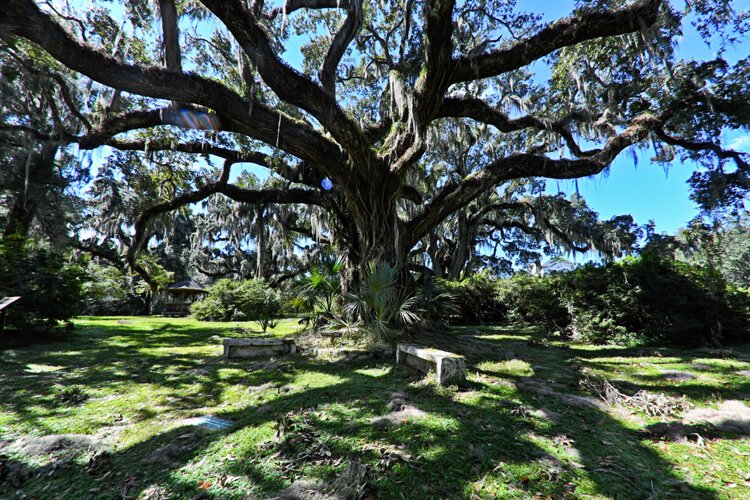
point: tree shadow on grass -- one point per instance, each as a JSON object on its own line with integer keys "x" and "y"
{"x": 481, "y": 435}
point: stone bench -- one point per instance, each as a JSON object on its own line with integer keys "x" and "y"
{"x": 346, "y": 353}
{"x": 333, "y": 334}
{"x": 448, "y": 367}
{"x": 252, "y": 348}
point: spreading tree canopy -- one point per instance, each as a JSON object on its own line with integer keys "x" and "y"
{"x": 402, "y": 115}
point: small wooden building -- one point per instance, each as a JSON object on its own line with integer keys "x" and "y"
{"x": 181, "y": 295}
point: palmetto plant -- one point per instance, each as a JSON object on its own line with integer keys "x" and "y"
{"x": 323, "y": 285}
{"x": 381, "y": 302}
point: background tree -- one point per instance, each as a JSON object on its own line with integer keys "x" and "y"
{"x": 722, "y": 244}
{"x": 37, "y": 176}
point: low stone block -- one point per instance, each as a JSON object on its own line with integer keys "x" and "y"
{"x": 331, "y": 333}
{"x": 253, "y": 348}
{"x": 346, "y": 353}
{"x": 448, "y": 367}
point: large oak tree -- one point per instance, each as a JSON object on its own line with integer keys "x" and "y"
{"x": 358, "y": 128}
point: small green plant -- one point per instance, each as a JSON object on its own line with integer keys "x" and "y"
{"x": 381, "y": 303}
{"x": 73, "y": 395}
{"x": 267, "y": 321}
{"x": 322, "y": 286}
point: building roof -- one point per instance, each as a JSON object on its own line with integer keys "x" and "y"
{"x": 186, "y": 286}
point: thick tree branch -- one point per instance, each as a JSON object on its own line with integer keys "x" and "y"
{"x": 346, "y": 33}
{"x": 291, "y": 86}
{"x": 587, "y": 25}
{"x": 171, "y": 33}
{"x": 221, "y": 185}
{"x": 294, "y": 5}
{"x": 434, "y": 78}
{"x": 203, "y": 148}
{"x": 477, "y": 109}
{"x": 454, "y": 196}
{"x": 106, "y": 253}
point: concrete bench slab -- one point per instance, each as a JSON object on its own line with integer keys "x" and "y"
{"x": 344, "y": 353}
{"x": 448, "y": 367}
{"x": 331, "y": 333}
{"x": 253, "y": 348}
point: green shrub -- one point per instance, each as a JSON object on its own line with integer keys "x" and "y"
{"x": 293, "y": 304}
{"x": 229, "y": 300}
{"x": 436, "y": 303}
{"x": 643, "y": 300}
{"x": 107, "y": 292}
{"x": 50, "y": 285}
{"x": 533, "y": 299}
{"x": 381, "y": 303}
{"x": 476, "y": 299}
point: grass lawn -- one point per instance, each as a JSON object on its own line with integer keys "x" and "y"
{"x": 103, "y": 412}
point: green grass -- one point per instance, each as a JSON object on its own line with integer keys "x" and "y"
{"x": 500, "y": 434}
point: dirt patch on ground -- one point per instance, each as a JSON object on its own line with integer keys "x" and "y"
{"x": 350, "y": 484}
{"x": 54, "y": 445}
{"x": 263, "y": 387}
{"x": 731, "y": 416}
{"x": 303, "y": 490}
{"x": 569, "y": 399}
{"x": 400, "y": 412}
{"x": 677, "y": 376}
{"x": 171, "y": 454}
{"x": 404, "y": 415}
{"x": 59, "y": 450}
{"x": 198, "y": 372}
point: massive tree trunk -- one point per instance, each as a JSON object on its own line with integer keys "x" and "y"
{"x": 378, "y": 232}
{"x": 464, "y": 246}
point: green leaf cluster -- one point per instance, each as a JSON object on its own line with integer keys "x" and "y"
{"x": 230, "y": 300}
{"x": 50, "y": 286}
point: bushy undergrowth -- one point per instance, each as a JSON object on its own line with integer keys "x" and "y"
{"x": 229, "y": 300}
{"x": 49, "y": 285}
{"x": 477, "y": 299}
{"x": 642, "y": 300}
{"x": 107, "y": 291}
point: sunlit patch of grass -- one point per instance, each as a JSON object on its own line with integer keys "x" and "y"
{"x": 374, "y": 372}
{"x": 511, "y": 367}
{"x": 38, "y": 368}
